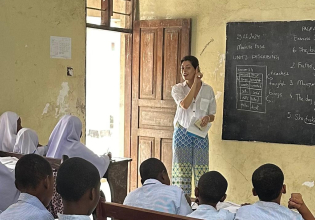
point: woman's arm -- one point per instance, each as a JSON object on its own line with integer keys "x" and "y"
{"x": 186, "y": 102}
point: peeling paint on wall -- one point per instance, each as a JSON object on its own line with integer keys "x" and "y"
{"x": 46, "y": 109}
{"x": 63, "y": 106}
{"x": 218, "y": 95}
{"x": 308, "y": 184}
{"x": 80, "y": 106}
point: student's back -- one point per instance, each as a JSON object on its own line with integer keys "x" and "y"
{"x": 33, "y": 177}
{"x": 65, "y": 140}
{"x": 156, "y": 194}
{"x": 266, "y": 210}
{"x": 9, "y": 194}
{"x": 268, "y": 186}
{"x": 10, "y": 124}
{"x": 211, "y": 189}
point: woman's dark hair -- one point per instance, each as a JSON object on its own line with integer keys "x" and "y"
{"x": 193, "y": 60}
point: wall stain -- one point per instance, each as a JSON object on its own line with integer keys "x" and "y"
{"x": 206, "y": 46}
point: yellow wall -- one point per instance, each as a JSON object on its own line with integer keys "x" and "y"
{"x": 237, "y": 160}
{"x": 29, "y": 79}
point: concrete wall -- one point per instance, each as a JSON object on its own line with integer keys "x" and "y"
{"x": 237, "y": 160}
{"x": 31, "y": 83}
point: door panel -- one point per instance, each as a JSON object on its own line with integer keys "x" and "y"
{"x": 158, "y": 47}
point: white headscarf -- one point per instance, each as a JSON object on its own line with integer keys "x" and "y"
{"x": 65, "y": 140}
{"x": 26, "y": 142}
{"x": 8, "y": 130}
{"x": 9, "y": 194}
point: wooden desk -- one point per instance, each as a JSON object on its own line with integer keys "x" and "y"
{"x": 117, "y": 178}
{"x": 55, "y": 163}
{"x": 116, "y": 174}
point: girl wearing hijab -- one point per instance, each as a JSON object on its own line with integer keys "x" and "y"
{"x": 27, "y": 143}
{"x": 10, "y": 124}
{"x": 65, "y": 140}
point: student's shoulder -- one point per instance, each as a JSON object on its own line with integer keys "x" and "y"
{"x": 247, "y": 208}
{"x": 293, "y": 215}
{"x": 227, "y": 215}
{"x": 174, "y": 189}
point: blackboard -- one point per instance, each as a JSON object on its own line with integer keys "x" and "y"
{"x": 269, "y": 92}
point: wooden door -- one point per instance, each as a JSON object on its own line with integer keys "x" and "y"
{"x": 158, "y": 47}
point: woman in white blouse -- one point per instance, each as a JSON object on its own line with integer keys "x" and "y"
{"x": 194, "y": 99}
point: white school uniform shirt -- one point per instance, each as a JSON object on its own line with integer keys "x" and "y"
{"x": 28, "y": 207}
{"x": 208, "y": 212}
{"x": 203, "y": 105}
{"x": 9, "y": 194}
{"x": 154, "y": 195}
{"x": 65, "y": 140}
{"x": 73, "y": 217}
{"x": 8, "y": 130}
{"x": 266, "y": 211}
{"x": 26, "y": 142}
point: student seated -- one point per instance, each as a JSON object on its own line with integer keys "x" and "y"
{"x": 34, "y": 179}
{"x": 65, "y": 140}
{"x": 27, "y": 143}
{"x": 9, "y": 194}
{"x": 268, "y": 186}
{"x": 78, "y": 183}
{"x": 155, "y": 193}
{"x": 10, "y": 124}
{"x": 211, "y": 190}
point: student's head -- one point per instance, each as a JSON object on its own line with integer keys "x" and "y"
{"x": 188, "y": 67}
{"x": 10, "y": 121}
{"x": 268, "y": 182}
{"x": 33, "y": 175}
{"x": 153, "y": 168}
{"x": 78, "y": 183}
{"x": 211, "y": 188}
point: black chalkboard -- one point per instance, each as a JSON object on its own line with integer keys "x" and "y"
{"x": 269, "y": 92}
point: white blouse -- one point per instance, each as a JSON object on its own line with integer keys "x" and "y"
{"x": 203, "y": 105}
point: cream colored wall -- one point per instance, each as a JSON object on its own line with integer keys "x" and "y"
{"x": 237, "y": 160}
{"x": 29, "y": 79}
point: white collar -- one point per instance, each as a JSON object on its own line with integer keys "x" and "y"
{"x": 151, "y": 181}
{"x": 205, "y": 207}
{"x": 185, "y": 83}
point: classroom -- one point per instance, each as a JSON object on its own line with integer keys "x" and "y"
{"x": 42, "y": 87}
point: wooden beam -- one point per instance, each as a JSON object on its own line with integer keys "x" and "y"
{"x": 123, "y": 30}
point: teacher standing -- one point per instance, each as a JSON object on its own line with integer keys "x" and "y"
{"x": 194, "y": 98}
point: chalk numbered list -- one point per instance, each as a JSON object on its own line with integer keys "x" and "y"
{"x": 269, "y": 92}
{"x": 251, "y": 88}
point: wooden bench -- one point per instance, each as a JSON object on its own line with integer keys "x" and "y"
{"x": 123, "y": 212}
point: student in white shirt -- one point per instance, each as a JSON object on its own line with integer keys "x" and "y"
{"x": 194, "y": 99}
{"x": 34, "y": 178}
{"x": 10, "y": 124}
{"x": 211, "y": 190}
{"x": 78, "y": 183}
{"x": 155, "y": 193}
{"x": 268, "y": 186}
